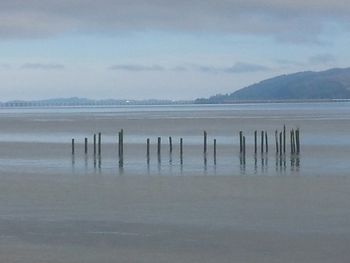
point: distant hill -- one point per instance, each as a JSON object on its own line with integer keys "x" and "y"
{"x": 309, "y": 85}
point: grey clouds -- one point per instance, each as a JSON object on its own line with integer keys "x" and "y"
{"x": 287, "y": 20}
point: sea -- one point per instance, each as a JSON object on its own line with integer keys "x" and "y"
{"x": 39, "y": 140}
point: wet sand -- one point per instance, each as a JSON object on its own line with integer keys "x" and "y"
{"x": 174, "y": 219}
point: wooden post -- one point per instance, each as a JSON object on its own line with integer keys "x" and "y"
{"x": 291, "y": 142}
{"x": 284, "y": 139}
{"x": 170, "y": 144}
{"x": 147, "y": 150}
{"x": 297, "y": 138}
{"x": 122, "y": 142}
{"x": 262, "y": 141}
{"x": 73, "y": 147}
{"x": 158, "y": 146}
{"x": 244, "y": 150}
{"x": 99, "y": 143}
{"x": 94, "y": 143}
{"x": 255, "y": 141}
{"x": 276, "y": 139}
{"x": 205, "y": 142}
{"x": 266, "y": 142}
{"x": 240, "y": 141}
{"x": 181, "y": 150}
{"x": 214, "y": 151}
{"x": 281, "y": 143}
{"x": 86, "y": 145}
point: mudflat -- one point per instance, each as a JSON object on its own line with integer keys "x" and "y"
{"x": 174, "y": 219}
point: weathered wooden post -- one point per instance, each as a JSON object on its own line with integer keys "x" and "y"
{"x": 266, "y": 142}
{"x": 181, "y": 150}
{"x": 147, "y": 151}
{"x": 297, "y": 138}
{"x": 214, "y": 151}
{"x": 291, "y": 142}
{"x": 276, "y": 139}
{"x": 240, "y": 141}
{"x": 73, "y": 150}
{"x": 284, "y": 138}
{"x": 94, "y": 143}
{"x": 86, "y": 145}
{"x": 281, "y": 143}
{"x": 99, "y": 143}
{"x": 205, "y": 142}
{"x": 262, "y": 141}
{"x": 244, "y": 150}
{"x": 255, "y": 141}
{"x": 170, "y": 145}
{"x": 159, "y": 148}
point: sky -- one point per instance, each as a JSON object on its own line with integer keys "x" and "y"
{"x": 160, "y": 49}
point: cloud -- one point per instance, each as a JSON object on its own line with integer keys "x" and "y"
{"x": 4, "y": 66}
{"x": 287, "y": 20}
{"x": 39, "y": 66}
{"x": 137, "y": 67}
{"x": 241, "y": 67}
{"x": 322, "y": 59}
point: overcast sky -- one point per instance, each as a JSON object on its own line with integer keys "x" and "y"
{"x": 181, "y": 49}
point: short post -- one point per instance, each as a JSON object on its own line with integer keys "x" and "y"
{"x": 99, "y": 143}
{"x": 86, "y": 145}
{"x": 158, "y": 147}
{"x": 262, "y": 141}
{"x": 291, "y": 142}
{"x": 266, "y": 142}
{"x": 214, "y": 151}
{"x": 240, "y": 141}
{"x": 284, "y": 138}
{"x": 297, "y": 138}
{"x": 243, "y": 139}
{"x": 181, "y": 150}
{"x": 205, "y": 142}
{"x": 276, "y": 139}
{"x": 170, "y": 145}
{"x": 255, "y": 141}
{"x": 281, "y": 143}
{"x": 147, "y": 151}
{"x": 94, "y": 143}
{"x": 73, "y": 147}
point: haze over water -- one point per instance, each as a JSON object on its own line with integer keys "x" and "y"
{"x": 38, "y": 140}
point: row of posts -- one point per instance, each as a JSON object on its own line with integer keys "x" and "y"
{"x": 280, "y": 141}
{"x": 97, "y": 139}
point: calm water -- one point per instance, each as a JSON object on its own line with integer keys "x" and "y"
{"x": 37, "y": 140}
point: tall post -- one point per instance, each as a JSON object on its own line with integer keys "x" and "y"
{"x": 240, "y": 141}
{"x": 266, "y": 142}
{"x": 291, "y": 142}
{"x": 297, "y": 138}
{"x": 255, "y": 141}
{"x": 214, "y": 151}
{"x": 181, "y": 150}
{"x": 205, "y": 142}
{"x": 73, "y": 150}
{"x": 243, "y": 140}
{"x": 284, "y": 138}
{"x": 262, "y": 141}
{"x": 158, "y": 148}
{"x": 86, "y": 145}
{"x": 147, "y": 151}
{"x": 276, "y": 139}
{"x": 170, "y": 145}
{"x": 281, "y": 143}
{"x": 94, "y": 143}
{"x": 99, "y": 143}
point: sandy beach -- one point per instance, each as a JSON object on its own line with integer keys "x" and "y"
{"x": 174, "y": 219}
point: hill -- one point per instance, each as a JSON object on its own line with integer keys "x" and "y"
{"x": 309, "y": 85}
